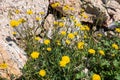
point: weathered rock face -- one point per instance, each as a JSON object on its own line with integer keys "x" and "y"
{"x": 99, "y": 12}
{"x": 10, "y": 54}
{"x": 67, "y": 7}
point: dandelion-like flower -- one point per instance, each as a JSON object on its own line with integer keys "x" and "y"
{"x": 68, "y": 42}
{"x": 61, "y": 24}
{"x": 66, "y": 59}
{"x": 14, "y": 23}
{"x": 71, "y": 36}
{"x": 96, "y": 77}
{"x": 3, "y": 65}
{"x": 62, "y": 63}
{"x": 49, "y": 49}
{"x": 63, "y": 33}
{"x": 47, "y": 41}
{"x": 35, "y": 54}
{"x": 91, "y": 51}
{"x": 37, "y": 38}
{"x": 80, "y": 45}
{"x": 29, "y": 12}
{"x": 101, "y": 52}
{"x": 42, "y": 73}
{"x": 117, "y": 30}
{"x": 115, "y": 46}
{"x": 54, "y": 5}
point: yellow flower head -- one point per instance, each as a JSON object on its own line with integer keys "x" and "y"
{"x": 101, "y": 52}
{"x": 42, "y": 73}
{"x": 68, "y": 41}
{"x": 66, "y": 59}
{"x": 115, "y": 46}
{"x": 55, "y": 22}
{"x": 99, "y": 35}
{"x": 35, "y": 54}
{"x": 80, "y": 45}
{"x": 66, "y": 7}
{"x": 91, "y": 51}
{"x": 29, "y": 12}
{"x": 17, "y": 11}
{"x": 37, "y": 38}
{"x": 78, "y": 24}
{"x": 71, "y": 36}
{"x": 96, "y": 77}
{"x": 14, "y": 33}
{"x": 61, "y": 24}
{"x": 117, "y": 30}
{"x": 3, "y": 66}
{"x": 49, "y": 49}
{"x": 47, "y": 41}
{"x": 87, "y": 28}
{"x": 22, "y": 20}
{"x": 14, "y": 23}
{"x": 82, "y": 28}
{"x": 42, "y": 13}
{"x": 62, "y": 63}
{"x": 38, "y": 18}
{"x": 54, "y": 5}
{"x": 63, "y": 33}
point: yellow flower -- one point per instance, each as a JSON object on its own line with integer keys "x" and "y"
{"x": 54, "y": 5}
{"x": 101, "y": 52}
{"x": 68, "y": 42}
{"x": 87, "y": 28}
{"x": 35, "y": 54}
{"x": 78, "y": 24}
{"x": 71, "y": 36}
{"x": 84, "y": 15}
{"x": 80, "y": 45}
{"x": 3, "y": 66}
{"x": 37, "y": 38}
{"x": 61, "y": 24}
{"x": 49, "y": 49}
{"x": 99, "y": 35}
{"x": 29, "y": 12}
{"x": 62, "y": 63}
{"x": 14, "y": 23}
{"x": 21, "y": 20}
{"x": 55, "y": 22}
{"x": 63, "y": 33}
{"x": 42, "y": 73}
{"x": 14, "y": 33}
{"x": 112, "y": 55}
{"x": 66, "y": 7}
{"x": 96, "y": 77}
{"x": 17, "y": 11}
{"x": 75, "y": 33}
{"x": 115, "y": 46}
{"x": 58, "y": 42}
{"x": 72, "y": 8}
{"x": 42, "y": 13}
{"x": 82, "y": 28}
{"x": 66, "y": 59}
{"x": 38, "y": 18}
{"x": 91, "y": 51}
{"x": 47, "y": 41}
{"x": 72, "y": 17}
{"x": 85, "y": 36}
{"x": 117, "y": 30}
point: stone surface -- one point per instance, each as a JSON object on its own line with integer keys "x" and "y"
{"x": 48, "y": 24}
{"x": 72, "y": 5}
{"x": 10, "y": 52}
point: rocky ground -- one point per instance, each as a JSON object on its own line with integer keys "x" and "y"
{"x": 107, "y": 11}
